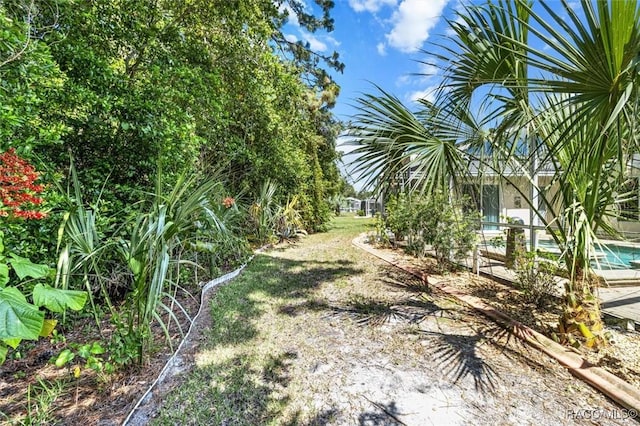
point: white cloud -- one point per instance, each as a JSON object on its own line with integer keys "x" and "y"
{"x": 315, "y": 43}
{"x": 412, "y": 22}
{"x": 290, "y": 38}
{"x": 382, "y": 49}
{"x": 332, "y": 41}
{"x": 344, "y": 144}
{"x": 370, "y": 5}
{"x": 459, "y": 10}
{"x": 403, "y": 80}
{"x": 429, "y": 94}
{"x": 318, "y": 43}
{"x": 427, "y": 70}
{"x": 292, "y": 18}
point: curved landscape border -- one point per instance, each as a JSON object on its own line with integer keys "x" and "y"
{"x": 609, "y": 384}
{"x": 172, "y": 366}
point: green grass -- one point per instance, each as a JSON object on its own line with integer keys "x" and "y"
{"x": 41, "y": 402}
{"x": 320, "y": 332}
{"x": 246, "y": 372}
{"x": 351, "y": 225}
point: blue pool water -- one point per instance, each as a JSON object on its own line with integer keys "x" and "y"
{"x": 613, "y": 256}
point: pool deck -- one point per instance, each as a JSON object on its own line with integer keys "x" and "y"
{"x": 620, "y": 294}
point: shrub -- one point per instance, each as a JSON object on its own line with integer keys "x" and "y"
{"x": 262, "y": 215}
{"x": 19, "y": 192}
{"x": 441, "y": 223}
{"x": 536, "y": 278}
{"x": 288, "y": 221}
{"x": 154, "y": 247}
{"x": 399, "y": 214}
{"x": 19, "y": 197}
{"x": 150, "y": 252}
{"x": 382, "y": 233}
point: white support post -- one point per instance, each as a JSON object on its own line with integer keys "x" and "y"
{"x": 534, "y": 220}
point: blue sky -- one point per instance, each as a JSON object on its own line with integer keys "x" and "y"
{"x": 383, "y": 42}
{"x": 380, "y": 41}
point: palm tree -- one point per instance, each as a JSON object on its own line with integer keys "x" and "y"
{"x": 574, "y": 102}
{"x": 390, "y": 140}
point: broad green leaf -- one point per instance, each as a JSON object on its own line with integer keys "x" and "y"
{"x": 97, "y": 349}
{"x": 88, "y": 350}
{"x": 4, "y": 274}
{"x": 3, "y": 353}
{"x": 47, "y": 327}
{"x": 58, "y": 300}
{"x": 64, "y": 357}
{"x": 95, "y": 364}
{"x": 26, "y": 268}
{"x": 12, "y": 342}
{"x": 21, "y": 319}
{"x": 84, "y": 351}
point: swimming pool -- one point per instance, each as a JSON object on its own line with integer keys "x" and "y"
{"x": 609, "y": 256}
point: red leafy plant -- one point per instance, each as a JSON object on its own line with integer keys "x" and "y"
{"x": 24, "y": 319}
{"x": 18, "y": 190}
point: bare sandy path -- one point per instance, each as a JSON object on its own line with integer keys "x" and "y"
{"x": 333, "y": 336}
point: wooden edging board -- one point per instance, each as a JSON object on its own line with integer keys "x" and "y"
{"x": 614, "y": 387}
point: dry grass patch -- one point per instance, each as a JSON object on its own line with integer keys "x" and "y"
{"x": 322, "y": 333}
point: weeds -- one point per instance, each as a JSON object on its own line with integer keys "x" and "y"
{"x": 536, "y": 278}
{"x": 41, "y": 400}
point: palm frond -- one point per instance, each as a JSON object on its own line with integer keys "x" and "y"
{"x": 393, "y": 142}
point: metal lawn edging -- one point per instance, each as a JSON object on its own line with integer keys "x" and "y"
{"x": 172, "y": 361}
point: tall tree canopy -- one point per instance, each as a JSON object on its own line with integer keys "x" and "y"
{"x": 126, "y": 86}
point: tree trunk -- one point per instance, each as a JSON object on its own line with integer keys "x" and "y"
{"x": 581, "y": 317}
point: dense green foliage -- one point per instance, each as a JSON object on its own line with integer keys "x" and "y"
{"x": 130, "y": 86}
{"x": 154, "y": 125}
{"x": 436, "y": 222}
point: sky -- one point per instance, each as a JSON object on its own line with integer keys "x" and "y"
{"x": 381, "y": 42}
{"x": 387, "y": 43}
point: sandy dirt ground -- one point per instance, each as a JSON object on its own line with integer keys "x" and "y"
{"x": 362, "y": 343}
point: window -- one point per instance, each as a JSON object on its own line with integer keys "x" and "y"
{"x": 628, "y": 200}
{"x": 486, "y": 199}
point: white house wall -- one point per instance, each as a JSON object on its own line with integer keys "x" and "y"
{"x": 629, "y": 229}
{"x": 509, "y": 197}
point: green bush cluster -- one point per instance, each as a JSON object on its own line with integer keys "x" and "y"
{"x": 129, "y": 93}
{"x": 433, "y": 221}
{"x": 536, "y": 277}
{"x": 137, "y": 271}
{"x": 133, "y": 266}
{"x": 135, "y": 99}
